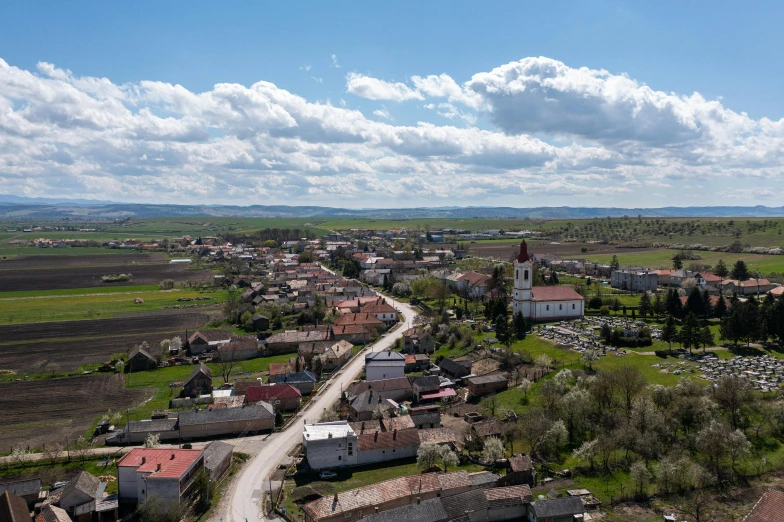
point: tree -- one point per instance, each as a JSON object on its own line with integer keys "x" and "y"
{"x": 695, "y": 303}
{"x": 677, "y": 263}
{"x": 428, "y": 455}
{"x": 587, "y": 452}
{"x": 503, "y": 332}
{"x": 493, "y": 448}
{"x": 520, "y": 327}
{"x": 674, "y": 305}
{"x": 740, "y": 271}
{"x": 329, "y": 415}
{"x": 153, "y": 440}
{"x": 614, "y": 264}
{"x": 705, "y": 338}
{"x": 720, "y": 269}
{"x": 670, "y": 332}
{"x": 381, "y": 411}
{"x": 448, "y": 458}
{"x": 712, "y": 443}
{"x": 658, "y": 305}
{"x": 733, "y": 394}
{"x": 720, "y": 310}
{"x": 317, "y": 366}
{"x": 52, "y": 451}
{"x": 157, "y": 509}
{"x": 646, "y": 307}
{"x": 227, "y": 362}
{"x": 589, "y": 357}
{"x": 689, "y": 335}
{"x": 738, "y": 447}
{"x": 630, "y": 381}
{"x": 640, "y": 476}
{"x": 525, "y": 386}
{"x": 543, "y": 361}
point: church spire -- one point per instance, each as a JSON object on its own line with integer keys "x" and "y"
{"x": 523, "y": 256}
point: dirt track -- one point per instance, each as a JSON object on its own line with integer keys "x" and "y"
{"x": 49, "y": 410}
{"x": 37, "y": 347}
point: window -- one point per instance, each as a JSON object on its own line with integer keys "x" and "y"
{"x": 548, "y": 307}
{"x": 572, "y": 306}
{"x": 517, "y": 274}
{"x": 560, "y": 307}
{"x": 525, "y": 275}
{"x": 340, "y": 457}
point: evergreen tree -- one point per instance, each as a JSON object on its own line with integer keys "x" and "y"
{"x": 777, "y": 321}
{"x": 707, "y": 307}
{"x": 721, "y": 307}
{"x": 520, "y": 326}
{"x": 721, "y": 269}
{"x": 646, "y": 307}
{"x": 694, "y": 303}
{"x": 553, "y": 279}
{"x": 658, "y": 305}
{"x": 502, "y": 331}
{"x": 705, "y": 338}
{"x": 751, "y": 320}
{"x": 740, "y": 271}
{"x": 614, "y": 264}
{"x": 677, "y": 263}
{"x": 670, "y": 332}
{"x": 689, "y": 335}
{"x": 674, "y": 305}
{"x": 767, "y": 318}
{"x": 731, "y": 328}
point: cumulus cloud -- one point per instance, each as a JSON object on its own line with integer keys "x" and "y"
{"x": 375, "y": 89}
{"x": 557, "y": 136}
{"x": 335, "y": 61}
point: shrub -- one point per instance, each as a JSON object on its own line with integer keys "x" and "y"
{"x": 167, "y": 284}
{"x": 604, "y": 310}
{"x": 119, "y": 278}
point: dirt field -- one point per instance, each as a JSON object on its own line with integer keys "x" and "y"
{"x": 43, "y": 347}
{"x": 506, "y": 251}
{"x": 49, "y": 410}
{"x": 41, "y": 262}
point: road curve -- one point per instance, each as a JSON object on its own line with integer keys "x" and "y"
{"x": 242, "y": 499}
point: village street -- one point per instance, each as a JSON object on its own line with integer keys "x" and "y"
{"x": 242, "y": 498}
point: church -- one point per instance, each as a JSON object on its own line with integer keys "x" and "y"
{"x": 542, "y": 303}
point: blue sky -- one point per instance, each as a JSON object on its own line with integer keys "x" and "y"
{"x": 591, "y": 138}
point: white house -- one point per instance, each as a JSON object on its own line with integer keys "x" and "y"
{"x": 384, "y": 365}
{"x": 542, "y": 303}
{"x": 330, "y": 445}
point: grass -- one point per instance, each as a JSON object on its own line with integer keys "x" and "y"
{"x": 97, "y": 305}
{"x": 7, "y": 251}
{"x": 662, "y": 258}
{"x": 61, "y": 469}
{"x": 79, "y": 291}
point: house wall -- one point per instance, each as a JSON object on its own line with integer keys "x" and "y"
{"x": 386, "y": 454}
{"x": 226, "y": 428}
{"x": 551, "y": 310}
{"x": 281, "y": 348}
{"x": 126, "y": 478}
{"x": 164, "y": 488}
{"x": 219, "y": 469}
{"x": 331, "y": 453}
{"x": 138, "y": 437}
{"x": 484, "y": 389}
{"x": 198, "y": 347}
{"x": 200, "y": 383}
{"x": 492, "y": 514}
{"x": 76, "y": 498}
{"x": 378, "y": 373}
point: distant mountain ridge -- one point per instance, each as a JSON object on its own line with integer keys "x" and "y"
{"x": 22, "y": 209}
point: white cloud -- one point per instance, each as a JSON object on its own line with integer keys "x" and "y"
{"x": 375, "y": 89}
{"x": 335, "y": 61}
{"x": 317, "y": 79}
{"x": 304, "y": 68}
{"x": 610, "y": 142}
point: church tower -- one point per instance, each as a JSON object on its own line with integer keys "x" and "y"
{"x": 523, "y": 276}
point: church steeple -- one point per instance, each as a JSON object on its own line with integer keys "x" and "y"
{"x": 523, "y": 281}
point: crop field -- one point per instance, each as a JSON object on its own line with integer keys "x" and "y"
{"x": 46, "y": 272}
{"x": 49, "y": 410}
{"x": 67, "y": 345}
{"x": 130, "y": 260}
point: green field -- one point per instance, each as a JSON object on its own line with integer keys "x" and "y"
{"x": 95, "y": 305}
{"x": 663, "y": 259}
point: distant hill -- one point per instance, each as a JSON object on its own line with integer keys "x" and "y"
{"x": 20, "y": 208}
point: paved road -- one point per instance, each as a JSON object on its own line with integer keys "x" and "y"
{"x": 242, "y": 499}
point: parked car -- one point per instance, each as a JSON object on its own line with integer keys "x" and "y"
{"x": 328, "y": 475}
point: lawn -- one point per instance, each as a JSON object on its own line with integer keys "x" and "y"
{"x": 79, "y": 291}
{"x": 97, "y": 305}
{"x": 663, "y": 259}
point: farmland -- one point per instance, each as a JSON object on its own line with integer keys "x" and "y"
{"x": 47, "y": 272}
{"x": 67, "y": 345}
{"x": 43, "y": 411}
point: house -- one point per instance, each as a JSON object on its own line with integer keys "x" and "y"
{"x": 289, "y": 341}
{"x": 677, "y": 277}
{"x": 384, "y": 365}
{"x": 769, "y": 508}
{"x": 226, "y": 421}
{"x": 425, "y": 385}
{"x": 363, "y": 406}
{"x": 199, "y": 382}
{"x": 426, "y": 420}
{"x": 13, "y": 508}
{"x": 83, "y": 489}
{"x": 417, "y": 362}
{"x": 486, "y": 384}
{"x": 239, "y": 349}
{"x": 141, "y": 360}
{"x": 664, "y": 276}
{"x": 370, "y": 426}
{"x": 777, "y": 292}
{"x": 167, "y": 473}
{"x": 282, "y": 397}
{"x": 370, "y": 321}
{"x": 337, "y": 354}
{"x": 443, "y": 436}
{"x": 315, "y": 349}
{"x": 386, "y": 446}
{"x": 381, "y": 309}
{"x": 540, "y": 303}
{"x": 203, "y": 341}
{"x": 397, "y": 389}
{"x": 521, "y": 471}
{"x": 217, "y": 458}
{"x": 749, "y": 287}
{"x": 29, "y": 490}
{"x": 260, "y": 322}
{"x": 330, "y": 445}
{"x": 276, "y": 369}
{"x": 634, "y": 279}
{"x": 353, "y": 333}
{"x": 241, "y": 385}
{"x": 50, "y": 513}
{"x": 472, "y": 284}
{"x": 455, "y": 369}
{"x": 390, "y": 494}
{"x": 556, "y": 510}
{"x": 305, "y": 381}
{"x": 136, "y": 432}
{"x": 418, "y": 340}
{"x": 403, "y": 422}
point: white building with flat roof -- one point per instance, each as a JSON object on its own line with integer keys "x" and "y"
{"x": 330, "y": 444}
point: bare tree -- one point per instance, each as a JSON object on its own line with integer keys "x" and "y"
{"x": 228, "y": 360}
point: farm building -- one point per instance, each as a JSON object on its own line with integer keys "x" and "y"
{"x": 521, "y": 471}
{"x": 227, "y": 421}
{"x": 305, "y": 381}
{"x": 418, "y": 340}
{"x": 398, "y": 389}
{"x": 486, "y": 384}
{"x": 336, "y": 355}
{"x": 217, "y": 458}
{"x": 282, "y": 397}
{"x": 199, "y": 382}
{"x": 363, "y": 406}
{"x": 426, "y": 420}
{"x": 556, "y": 510}
{"x": 455, "y": 369}
{"x": 288, "y": 342}
{"x": 13, "y": 508}
{"x": 206, "y": 340}
{"x": 260, "y": 322}
{"x": 29, "y": 490}
{"x": 353, "y": 333}
{"x": 141, "y": 360}
{"x": 239, "y": 349}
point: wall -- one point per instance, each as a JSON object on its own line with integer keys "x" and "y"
{"x": 378, "y": 373}
{"x": 541, "y": 313}
{"x": 126, "y": 478}
{"x": 386, "y": 454}
{"x": 226, "y": 428}
{"x": 331, "y": 453}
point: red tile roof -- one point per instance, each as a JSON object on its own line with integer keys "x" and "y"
{"x": 769, "y": 508}
{"x": 714, "y": 300}
{"x": 348, "y": 329}
{"x": 446, "y": 392}
{"x": 778, "y": 291}
{"x": 363, "y": 318}
{"x": 281, "y": 368}
{"x": 174, "y": 462}
{"x": 474, "y": 279}
{"x": 555, "y": 293}
{"x": 388, "y": 439}
{"x": 272, "y": 391}
{"x": 380, "y": 306}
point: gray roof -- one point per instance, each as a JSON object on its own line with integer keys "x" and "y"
{"x": 367, "y": 401}
{"x": 472, "y": 500}
{"x": 83, "y": 482}
{"x": 385, "y": 355}
{"x": 260, "y": 410}
{"x": 151, "y": 425}
{"x": 289, "y": 378}
{"x": 22, "y": 488}
{"x": 426, "y": 418}
{"x": 454, "y": 367}
{"x": 215, "y": 452}
{"x": 558, "y": 507}
{"x": 13, "y": 508}
{"x": 394, "y": 363}
{"x": 426, "y": 511}
{"x": 201, "y": 368}
{"x": 485, "y": 379}
{"x": 430, "y": 381}
{"x": 483, "y": 479}
{"x": 139, "y": 350}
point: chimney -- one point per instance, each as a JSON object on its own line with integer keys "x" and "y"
{"x": 362, "y": 428}
{"x": 144, "y": 460}
{"x": 394, "y": 434}
{"x": 418, "y": 501}
{"x": 158, "y": 467}
{"x": 329, "y": 435}
{"x": 172, "y": 456}
{"x": 375, "y": 437}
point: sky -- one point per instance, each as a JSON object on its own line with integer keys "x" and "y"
{"x": 394, "y": 104}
